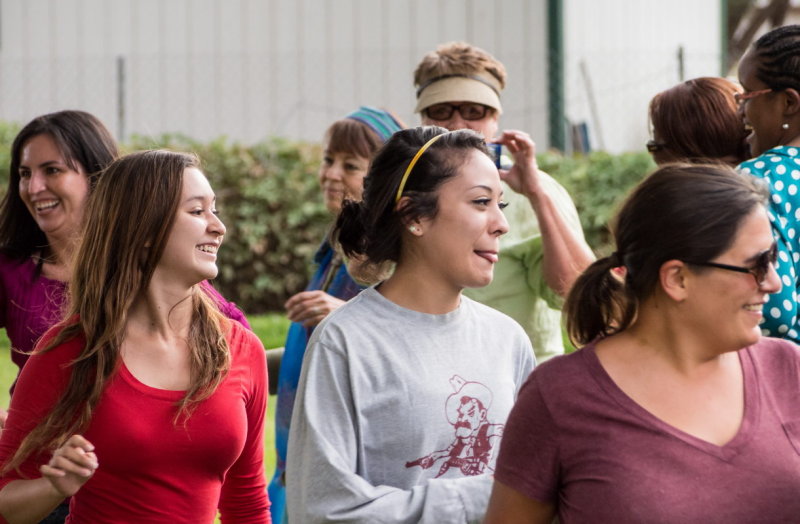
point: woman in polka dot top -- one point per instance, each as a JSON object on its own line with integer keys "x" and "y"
{"x": 770, "y": 104}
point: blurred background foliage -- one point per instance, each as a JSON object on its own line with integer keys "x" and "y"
{"x": 269, "y": 198}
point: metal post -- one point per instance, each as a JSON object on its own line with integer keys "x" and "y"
{"x": 681, "y": 72}
{"x": 120, "y": 98}
{"x": 555, "y": 69}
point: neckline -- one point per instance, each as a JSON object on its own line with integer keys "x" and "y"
{"x": 31, "y": 262}
{"x": 437, "y": 318}
{"x": 163, "y": 394}
{"x": 781, "y": 150}
{"x": 752, "y": 404}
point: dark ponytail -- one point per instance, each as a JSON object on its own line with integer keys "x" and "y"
{"x": 599, "y": 304}
{"x": 680, "y": 212}
{"x": 350, "y": 229}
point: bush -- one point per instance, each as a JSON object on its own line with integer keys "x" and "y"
{"x": 598, "y": 183}
{"x": 7, "y": 133}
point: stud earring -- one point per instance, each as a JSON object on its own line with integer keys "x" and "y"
{"x": 785, "y": 126}
{"x": 413, "y": 229}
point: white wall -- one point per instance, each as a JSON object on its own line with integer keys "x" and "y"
{"x": 253, "y": 68}
{"x": 629, "y": 48}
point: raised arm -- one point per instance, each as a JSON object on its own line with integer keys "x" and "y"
{"x": 566, "y": 253}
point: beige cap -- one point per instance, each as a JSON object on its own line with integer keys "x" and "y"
{"x": 459, "y": 88}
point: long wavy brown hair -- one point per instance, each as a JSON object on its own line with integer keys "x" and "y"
{"x": 129, "y": 218}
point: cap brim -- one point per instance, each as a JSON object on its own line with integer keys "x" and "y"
{"x": 458, "y": 89}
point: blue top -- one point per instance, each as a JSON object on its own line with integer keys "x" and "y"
{"x": 780, "y": 168}
{"x": 331, "y": 276}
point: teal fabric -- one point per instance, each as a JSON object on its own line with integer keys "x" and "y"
{"x": 780, "y": 168}
{"x": 380, "y": 121}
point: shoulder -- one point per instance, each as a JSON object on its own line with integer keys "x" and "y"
{"x": 777, "y": 371}
{"x": 59, "y": 358}
{"x": 560, "y": 376}
{"x": 243, "y": 343}
{"x": 765, "y": 162}
{"x": 13, "y": 266}
{"x": 552, "y": 184}
{"x": 491, "y": 317}
{"x": 365, "y": 305}
{"x": 776, "y": 355}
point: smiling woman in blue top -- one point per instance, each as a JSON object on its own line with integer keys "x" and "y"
{"x": 349, "y": 144}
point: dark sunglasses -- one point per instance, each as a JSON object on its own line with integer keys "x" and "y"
{"x": 759, "y": 270}
{"x": 468, "y": 111}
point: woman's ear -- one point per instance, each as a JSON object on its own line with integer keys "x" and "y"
{"x": 673, "y": 278}
{"x": 413, "y": 226}
{"x": 792, "y": 102}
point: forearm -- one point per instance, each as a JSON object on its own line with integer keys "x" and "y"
{"x": 355, "y": 500}
{"x": 565, "y": 252}
{"x": 24, "y": 501}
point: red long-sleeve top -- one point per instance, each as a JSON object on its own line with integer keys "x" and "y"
{"x": 150, "y": 469}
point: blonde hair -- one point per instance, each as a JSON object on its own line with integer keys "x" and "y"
{"x": 459, "y": 58}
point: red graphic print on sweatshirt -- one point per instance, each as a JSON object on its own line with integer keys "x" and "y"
{"x": 467, "y": 411}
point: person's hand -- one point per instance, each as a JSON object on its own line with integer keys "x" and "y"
{"x": 523, "y": 177}
{"x": 3, "y": 417}
{"x": 71, "y": 466}
{"x": 310, "y": 307}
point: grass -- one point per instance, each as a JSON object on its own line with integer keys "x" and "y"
{"x": 271, "y": 329}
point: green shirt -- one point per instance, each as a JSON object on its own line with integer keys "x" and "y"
{"x": 518, "y": 288}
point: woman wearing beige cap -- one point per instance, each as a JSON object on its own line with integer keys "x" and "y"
{"x": 458, "y": 87}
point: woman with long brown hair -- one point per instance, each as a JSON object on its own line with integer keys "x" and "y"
{"x": 146, "y": 403}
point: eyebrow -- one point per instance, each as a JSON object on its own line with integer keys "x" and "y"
{"x": 202, "y": 198}
{"x": 762, "y": 253}
{"x": 487, "y": 188}
{"x": 46, "y": 164}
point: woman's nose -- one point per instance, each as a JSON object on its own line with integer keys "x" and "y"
{"x": 36, "y": 182}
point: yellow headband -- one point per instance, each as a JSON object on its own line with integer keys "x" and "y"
{"x": 411, "y": 165}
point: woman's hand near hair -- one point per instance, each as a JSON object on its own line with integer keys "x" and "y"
{"x": 310, "y": 307}
{"x": 509, "y": 506}
{"x": 29, "y": 501}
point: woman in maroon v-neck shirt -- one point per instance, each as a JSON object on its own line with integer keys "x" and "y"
{"x": 676, "y": 409}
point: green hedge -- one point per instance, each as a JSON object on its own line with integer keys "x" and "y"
{"x": 597, "y": 182}
{"x": 269, "y": 199}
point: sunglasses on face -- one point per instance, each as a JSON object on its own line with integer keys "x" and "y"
{"x": 759, "y": 270}
{"x": 468, "y": 111}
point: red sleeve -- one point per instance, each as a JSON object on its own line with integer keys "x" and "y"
{"x": 41, "y": 383}
{"x": 244, "y": 490}
{"x": 229, "y": 309}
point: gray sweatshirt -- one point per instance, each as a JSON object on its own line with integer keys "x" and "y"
{"x": 399, "y": 414}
